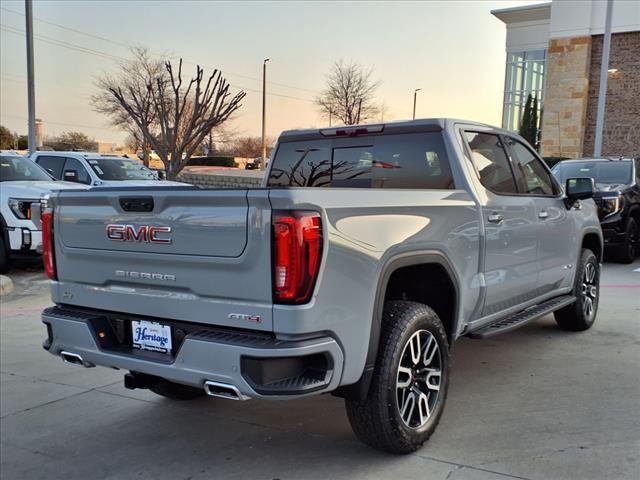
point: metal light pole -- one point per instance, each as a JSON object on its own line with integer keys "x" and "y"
{"x": 415, "y": 96}
{"x": 264, "y": 113}
{"x": 31, "y": 94}
{"x": 604, "y": 74}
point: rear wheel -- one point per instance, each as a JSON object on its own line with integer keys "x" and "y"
{"x": 582, "y": 314}
{"x": 175, "y": 391}
{"x": 409, "y": 386}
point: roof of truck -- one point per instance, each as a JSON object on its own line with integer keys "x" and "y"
{"x": 398, "y": 126}
{"x": 605, "y": 159}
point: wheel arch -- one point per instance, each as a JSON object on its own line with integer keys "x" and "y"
{"x": 404, "y": 263}
{"x": 4, "y": 232}
{"x": 634, "y": 212}
{"x": 593, "y": 241}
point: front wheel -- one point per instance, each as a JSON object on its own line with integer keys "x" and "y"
{"x": 410, "y": 380}
{"x": 581, "y": 315}
{"x": 5, "y": 260}
{"x": 631, "y": 246}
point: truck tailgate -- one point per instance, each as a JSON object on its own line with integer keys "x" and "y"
{"x": 183, "y": 254}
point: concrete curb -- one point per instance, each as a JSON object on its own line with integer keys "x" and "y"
{"x": 6, "y": 285}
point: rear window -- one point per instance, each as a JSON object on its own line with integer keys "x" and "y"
{"x": 608, "y": 173}
{"x": 413, "y": 160}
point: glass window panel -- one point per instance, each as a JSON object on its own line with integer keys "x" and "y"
{"x": 302, "y": 164}
{"x": 535, "y": 178}
{"x": 525, "y": 75}
{"x": 492, "y": 162}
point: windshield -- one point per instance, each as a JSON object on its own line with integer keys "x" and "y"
{"x": 120, "y": 169}
{"x": 20, "y": 169}
{"x": 609, "y": 173}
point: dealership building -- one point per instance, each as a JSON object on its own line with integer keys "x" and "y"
{"x": 554, "y": 53}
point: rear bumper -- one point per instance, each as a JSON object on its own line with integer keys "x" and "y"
{"x": 257, "y": 365}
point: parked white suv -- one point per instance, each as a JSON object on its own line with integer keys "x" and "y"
{"x": 95, "y": 169}
{"x": 24, "y": 185}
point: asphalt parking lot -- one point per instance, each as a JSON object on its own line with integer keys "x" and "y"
{"x": 534, "y": 404}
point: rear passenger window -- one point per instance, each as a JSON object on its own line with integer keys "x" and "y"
{"x": 411, "y": 161}
{"x": 51, "y": 164}
{"x": 492, "y": 162}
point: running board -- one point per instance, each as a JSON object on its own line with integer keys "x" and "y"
{"x": 525, "y": 316}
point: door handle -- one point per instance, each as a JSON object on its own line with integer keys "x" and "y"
{"x": 495, "y": 218}
{"x": 543, "y": 215}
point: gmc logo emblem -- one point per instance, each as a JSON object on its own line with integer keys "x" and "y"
{"x": 143, "y": 233}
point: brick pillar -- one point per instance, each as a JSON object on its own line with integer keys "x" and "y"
{"x": 566, "y": 95}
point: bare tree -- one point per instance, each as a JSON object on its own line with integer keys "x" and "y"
{"x": 222, "y": 138}
{"x": 135, "y": 142}
{"x": 132, "y": 76}
{"x": 175, "y": 116}
{"x": 349, "y": 94}
{"x": 68, "y": 141}
{"x": 250, "y": 147}
{"x": 383, "y": 112}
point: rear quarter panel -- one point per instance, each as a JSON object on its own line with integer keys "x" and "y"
{"x": 363, "y": 231}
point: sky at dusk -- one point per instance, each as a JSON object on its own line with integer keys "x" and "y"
{"x": 453, "y": 50}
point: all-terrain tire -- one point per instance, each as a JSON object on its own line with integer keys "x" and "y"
{"x": 377, "y": 420}
{"x": 5, "y": 260}
{"x": 175, "y": 391}
{"x": 581, "y": 315}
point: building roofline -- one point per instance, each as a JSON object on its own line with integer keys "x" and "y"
{"x": 524, "y": 13}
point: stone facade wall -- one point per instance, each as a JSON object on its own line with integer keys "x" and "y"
{"x": 240, "y": 179}
{"x": 566, "y": 95}
{"x": 621, "y": 134}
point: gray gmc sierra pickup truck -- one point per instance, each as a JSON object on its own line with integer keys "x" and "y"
{"x": 369, "y": 250}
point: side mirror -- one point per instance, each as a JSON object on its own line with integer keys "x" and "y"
{"x": 162, "y": 175}
{"x": 579, "y": 189}
{"x": 70, "y": 176}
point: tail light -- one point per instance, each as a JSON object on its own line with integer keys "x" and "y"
{"x": 297, "y": 251}
{"x": 47, "y": 244}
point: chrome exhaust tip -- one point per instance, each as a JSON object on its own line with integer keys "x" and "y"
{"x": 223, "y": 390}
{"x": 75, "y": 359}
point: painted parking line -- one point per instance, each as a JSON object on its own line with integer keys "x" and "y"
{"x": 620, "y": 286}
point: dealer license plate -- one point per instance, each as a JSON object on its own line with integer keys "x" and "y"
{"x": 151, "y": 336}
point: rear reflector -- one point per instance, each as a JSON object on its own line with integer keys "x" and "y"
{"x": 47, "y": 244}
{"x": 297, "y": 251}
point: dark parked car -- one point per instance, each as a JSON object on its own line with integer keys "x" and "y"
{"x": 617, "y": 197}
